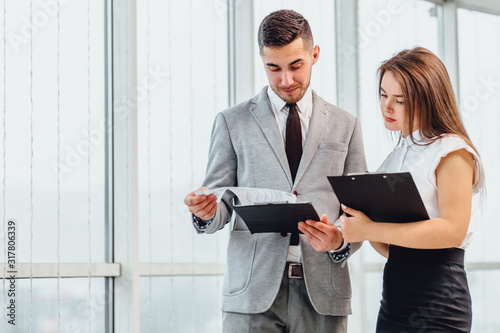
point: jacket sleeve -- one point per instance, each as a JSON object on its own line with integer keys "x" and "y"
{"x": 221, "y": 172}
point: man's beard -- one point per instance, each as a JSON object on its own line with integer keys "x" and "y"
{"x": 287, "y": 99}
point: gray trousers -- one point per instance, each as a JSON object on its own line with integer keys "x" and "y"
{"x": 291, "y": 312}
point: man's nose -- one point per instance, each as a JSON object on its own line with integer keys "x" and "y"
{"x": 286, "y": 79}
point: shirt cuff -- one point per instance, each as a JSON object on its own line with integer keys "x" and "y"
{"x": 342, "y": 248}
{"x": 202, "y": 224}
{"x": 341, "y": 255}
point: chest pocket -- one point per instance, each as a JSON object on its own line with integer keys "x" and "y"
{"x": 330, "y": 157}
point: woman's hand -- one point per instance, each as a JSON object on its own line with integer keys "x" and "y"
{"x": 357, "y": 227}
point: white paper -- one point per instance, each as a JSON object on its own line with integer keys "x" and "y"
{"x": 250, "y": 196}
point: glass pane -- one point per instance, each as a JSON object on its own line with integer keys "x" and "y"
{"x": 67, "y": 156}
{"x": 181, "y": 304}
{"x": 321, "y": 18}
{"x": 479, "y": 67}
{"x": 485, "y": 294}
{"x": 77, "y": 312}
{"x": 371, "y": 304}
{"x": 385, "y": 28}
{"x": 182, "y": 84}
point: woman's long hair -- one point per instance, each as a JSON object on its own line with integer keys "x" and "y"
{"x": 428, "y": 94}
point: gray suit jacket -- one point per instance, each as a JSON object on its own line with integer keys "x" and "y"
{"x": 246, "y": 150}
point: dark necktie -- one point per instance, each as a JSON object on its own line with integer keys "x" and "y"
{"x": 293, "y": 148}
{"x": 293, "y": 140}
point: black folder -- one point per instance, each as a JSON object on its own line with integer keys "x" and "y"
{"x": 276, "y": 217}
{"x": 383, "y": 197}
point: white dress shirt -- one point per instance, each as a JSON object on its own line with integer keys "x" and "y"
{"x": 280, "y": 112}
{"x": 422, "y": 160}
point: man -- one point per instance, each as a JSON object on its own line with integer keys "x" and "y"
{"x": 286, "y": 138}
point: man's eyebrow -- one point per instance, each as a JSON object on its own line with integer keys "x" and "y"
{"x": 296, "y": 61}
{"x": 291, "y": 64}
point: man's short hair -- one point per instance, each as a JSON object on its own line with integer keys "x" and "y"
{"x": 282, "y": 27}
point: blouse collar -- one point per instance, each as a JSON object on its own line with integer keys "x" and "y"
{"x": 418, "y": 140}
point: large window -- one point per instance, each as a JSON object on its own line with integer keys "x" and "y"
{"x": 53, "y": 153}
{"x": 479, "y": 99}
{"x": 183, "y": 82}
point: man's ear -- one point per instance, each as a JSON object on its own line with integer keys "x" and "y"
{"x": 315, "y": 54}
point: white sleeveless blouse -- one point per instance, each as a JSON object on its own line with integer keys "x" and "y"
{"x": 421, "y": 161}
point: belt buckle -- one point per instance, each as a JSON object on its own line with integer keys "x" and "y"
{"x": 290, "y": 270}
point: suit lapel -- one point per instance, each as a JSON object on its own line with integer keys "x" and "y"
{"x": 265, "y": 119}
{"x": 319, "y": 118}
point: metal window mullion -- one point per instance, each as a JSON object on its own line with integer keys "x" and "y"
{"x": 125, "y": 209}
{"x": 437, "y": 2}
{"x": 64, "y": 270}
{"x": 347, "y": 77}
{"x": 448, "y": 41}
{"x": 108, "y": 163}
{"x": 242, "y": 51}
{"x": 231, "y": 53}
{"x": 475, "y": 5}
{"x": 181, "y": 269}
{"x": 346, "y": 30}
{"x": 469, "y": 266}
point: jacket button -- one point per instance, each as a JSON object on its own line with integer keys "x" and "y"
{"x": 284, "y": 234}
{"x": 295, "y": 193}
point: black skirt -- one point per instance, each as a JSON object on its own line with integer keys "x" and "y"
{"x": 425, "y": 291}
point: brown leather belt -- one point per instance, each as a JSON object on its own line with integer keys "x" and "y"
{"x": 294, "y": 270}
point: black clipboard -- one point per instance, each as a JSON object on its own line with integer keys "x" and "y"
{"x": 383, "y": 197}
{"x": 276, "y": 217}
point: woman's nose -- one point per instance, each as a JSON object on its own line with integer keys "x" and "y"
{"x": 387, "y": 106}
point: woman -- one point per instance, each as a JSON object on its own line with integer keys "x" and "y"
{"x": 425, "y": 285}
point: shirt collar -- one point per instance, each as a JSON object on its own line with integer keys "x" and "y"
{"x": 279, "y": 104}
{"x": 417, "y": 137}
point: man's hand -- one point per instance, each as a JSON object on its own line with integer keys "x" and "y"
{"x": 322, "y": 235}
{"x": 202, "y": 206}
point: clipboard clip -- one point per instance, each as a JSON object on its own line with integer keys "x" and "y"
{"x": 271, "y": 203}
{"x": 366, "y": 173}
{"x": 354, "y": 174}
